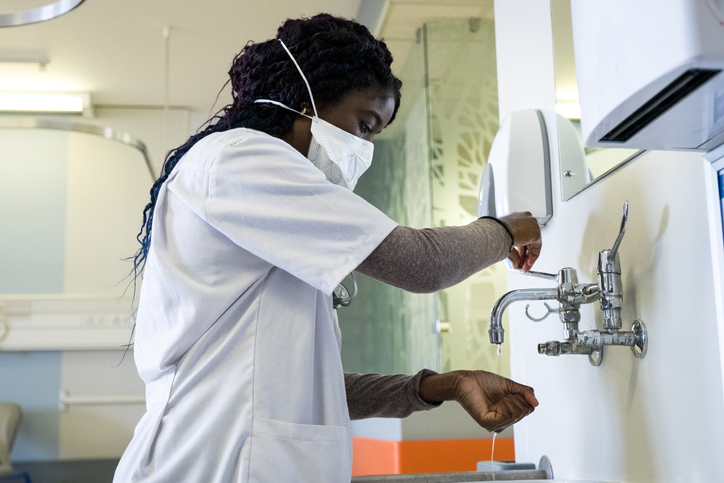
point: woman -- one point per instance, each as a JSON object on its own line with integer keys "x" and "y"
{"x": 250, "y": 228}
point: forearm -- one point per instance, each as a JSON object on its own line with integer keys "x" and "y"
{"x": 431, "y": 259}
{"x": 377, "y": 396}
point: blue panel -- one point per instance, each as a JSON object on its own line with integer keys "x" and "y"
{"x": 32, "y": 380}
{"x": 34, "y": 165}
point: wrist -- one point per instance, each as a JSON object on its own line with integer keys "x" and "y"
{"x": 440, "y": 387}
{"x": 508, "y": 227}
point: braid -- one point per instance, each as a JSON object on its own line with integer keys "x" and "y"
{"x": 336, "y": 56}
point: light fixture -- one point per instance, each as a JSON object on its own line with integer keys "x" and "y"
{"x": 38, "y": 14}
{"x": 569, "y": 109}
{"x": 45, "y": 103}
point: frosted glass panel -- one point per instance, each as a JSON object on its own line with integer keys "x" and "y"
{"x": 387, "y": 330}
{"x": 463, "y": 97}
{"x": 426, "y": 172}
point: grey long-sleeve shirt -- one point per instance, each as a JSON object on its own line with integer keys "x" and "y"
{"x": 421, "y": 261}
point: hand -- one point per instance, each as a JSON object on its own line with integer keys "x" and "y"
{"x": 493, "y": 401}
{"x": 526, "y": 239}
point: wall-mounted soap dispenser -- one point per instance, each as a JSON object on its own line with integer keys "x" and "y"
{"x": 519, "y": 170}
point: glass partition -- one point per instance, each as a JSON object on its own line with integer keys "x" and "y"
{"x": 463, "y": 106}
{"x": 385, "y": 329}
{"x": 426, "y": 172}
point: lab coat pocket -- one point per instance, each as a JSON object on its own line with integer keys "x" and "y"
{"x": 290, "y": 452}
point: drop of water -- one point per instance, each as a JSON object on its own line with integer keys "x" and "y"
{"x": 499, "y": 349}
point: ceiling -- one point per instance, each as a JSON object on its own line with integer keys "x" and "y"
{"x": 403, "y": 18}
{"x": 116, "y": 49}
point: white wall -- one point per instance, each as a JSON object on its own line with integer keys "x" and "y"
{"x": 71, "y": 209}
{"x": 656, "y": 419}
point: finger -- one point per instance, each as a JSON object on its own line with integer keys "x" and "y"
{"x": 514, "y": 257}
{"x": 524, "y": 265}
{"x": 526, "y": 391}
{"x": 521, "y": 256}
{"x": 506, "y": 411}
{"x": 518, "y": 407}
{"x": 530, "y": 398}
{"x": 533, "y": 252}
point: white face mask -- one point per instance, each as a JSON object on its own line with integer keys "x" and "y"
{"x": 341, "y": 156}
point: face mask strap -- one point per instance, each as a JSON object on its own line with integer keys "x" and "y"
{"x": 303, "y": 77}
{"x": 277, "y": 103}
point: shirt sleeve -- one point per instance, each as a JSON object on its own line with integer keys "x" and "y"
{"x": 377, "y": 396}
{"x": 432, "y": 259}
{"x": 270, "y": 200}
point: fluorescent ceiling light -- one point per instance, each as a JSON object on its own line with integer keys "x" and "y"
{"x": 570, "y": 110}
{"x": 36, "y": 102}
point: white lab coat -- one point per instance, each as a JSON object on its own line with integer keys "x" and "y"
{"x": 236, "y": 337}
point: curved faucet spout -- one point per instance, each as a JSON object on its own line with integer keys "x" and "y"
{"x": 496, "y": 331}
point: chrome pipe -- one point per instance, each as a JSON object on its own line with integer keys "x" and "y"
{"x": 496, "y": 331}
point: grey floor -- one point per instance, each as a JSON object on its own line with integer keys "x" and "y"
{"x": 77, "y": 471}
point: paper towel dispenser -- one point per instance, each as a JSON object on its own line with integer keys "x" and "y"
{"x": 650, "y": 73}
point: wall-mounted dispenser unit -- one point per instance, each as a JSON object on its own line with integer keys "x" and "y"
{"x": 519, "y": 164}
{"x": 518, "y": 174}
{"x": 650, "y": 73}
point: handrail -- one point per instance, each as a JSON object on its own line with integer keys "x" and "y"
{"x": 65, "y": 400}
{"x": 64, "y": 125}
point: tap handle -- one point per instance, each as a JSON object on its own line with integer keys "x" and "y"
{"x": 550, "y": 310}
{"x": 543, "y": 275}
{"x": 617, "y": 243}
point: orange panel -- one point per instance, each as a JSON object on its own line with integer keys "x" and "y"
{"x": 375, "y": 457}
{"x": 379, "y": 457}
{"x": 440, "y": 456}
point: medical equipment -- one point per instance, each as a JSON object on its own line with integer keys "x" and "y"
{"x": 341, "y": 296}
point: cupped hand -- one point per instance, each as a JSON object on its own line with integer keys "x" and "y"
{"x": 493, "y": 401}
{"x": 527, "y": 242}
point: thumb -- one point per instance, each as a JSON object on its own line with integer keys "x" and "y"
{"x": 526, "y": 391}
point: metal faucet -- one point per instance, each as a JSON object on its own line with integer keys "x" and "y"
{"x": 570, "y": 296}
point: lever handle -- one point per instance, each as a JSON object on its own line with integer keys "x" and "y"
{"x": 550, "y": 310}
{"x": 617, "y": 243}
{"x": 543, "y": 275}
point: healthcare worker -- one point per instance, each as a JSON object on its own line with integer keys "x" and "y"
{"x": 250, "y": 228}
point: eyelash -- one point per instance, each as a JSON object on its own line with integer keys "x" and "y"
{"x": 365, "y": 128}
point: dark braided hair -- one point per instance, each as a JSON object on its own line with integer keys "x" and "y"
{"x": 336, "y": 56}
